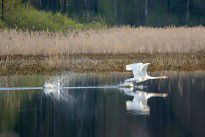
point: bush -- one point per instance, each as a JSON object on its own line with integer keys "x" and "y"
{"x": 2, "y": 24}
{"x": 91, "y": 20}
{"x": 32, "y": 19}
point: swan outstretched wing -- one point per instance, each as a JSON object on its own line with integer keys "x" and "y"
{"x": 135, "y": 68}
{"x": 138, "y": 69}
{"x": 143, "y": 68}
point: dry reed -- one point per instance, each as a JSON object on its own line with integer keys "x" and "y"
{"x": 111, "y": 40}
{"x": 102, "y": 50}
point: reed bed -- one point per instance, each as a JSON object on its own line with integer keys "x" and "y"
{"x": 102, "y": 50}
{"x": 119, "y": 40}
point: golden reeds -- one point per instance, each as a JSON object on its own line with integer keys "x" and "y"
{"x": 102, "y": 50}
{"x": 120, "y": 40}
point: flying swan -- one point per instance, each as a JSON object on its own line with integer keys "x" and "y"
{"x": 139, "y": 71}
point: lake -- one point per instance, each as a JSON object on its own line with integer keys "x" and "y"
{"x": 172, "y": 107}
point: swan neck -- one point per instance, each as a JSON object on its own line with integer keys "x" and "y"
{"x": 157, "y": 77}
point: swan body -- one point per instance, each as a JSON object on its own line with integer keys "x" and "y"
{"x": 139, "y": 71}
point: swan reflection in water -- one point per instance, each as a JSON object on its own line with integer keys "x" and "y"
{"x": 138, "y": 105}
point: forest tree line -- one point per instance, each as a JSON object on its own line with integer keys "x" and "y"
{"x": 118, "y": 12}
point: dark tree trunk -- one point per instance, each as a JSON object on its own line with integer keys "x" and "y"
{"x": 145, "y": 9}
{"x": 64, "y": 6}
{"x": 95, "y": 5}
{"x": 115, "y": 5}
{"x": 187, "y": 12}
{"x": 54, "y": 5}
{"x": 2, "y": 10}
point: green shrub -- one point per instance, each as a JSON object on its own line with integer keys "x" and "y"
{"x": 2, "y": 24}
{"x": 91, "y": 20}
{"x": 32, "y": 19}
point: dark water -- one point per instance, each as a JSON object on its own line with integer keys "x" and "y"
{"x": 104, "y": 112}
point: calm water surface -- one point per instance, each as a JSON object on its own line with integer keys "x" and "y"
{"x": 162, "y": 108}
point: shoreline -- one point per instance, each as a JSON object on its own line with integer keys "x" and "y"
{"x": 53, "y": 64}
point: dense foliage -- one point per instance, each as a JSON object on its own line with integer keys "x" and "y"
{"x": 131, "y": 12}
{"x": 23, "y": 16}
{"x": 2, "y": 24}
{"x": 61, "y": 15}
{"x": 32, "y": 19}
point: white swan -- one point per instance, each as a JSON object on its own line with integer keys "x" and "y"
{"x": 139, "y": 71}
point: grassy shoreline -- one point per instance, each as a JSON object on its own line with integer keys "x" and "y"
{"x": 99, "y": 62}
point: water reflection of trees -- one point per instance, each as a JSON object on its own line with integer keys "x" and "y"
{"x": 92, "y": 113}
{"x": 12, "y": 104}
{"x": 102, "y": 112}
{"x": 9, "y": 110}
{"x": 181, "y": 113}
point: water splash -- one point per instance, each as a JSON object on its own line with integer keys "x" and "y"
{"x": 57, "y": 86}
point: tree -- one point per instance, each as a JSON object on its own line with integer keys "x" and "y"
{"x": 2, "y": 9}
{"x": 187, "y": 11}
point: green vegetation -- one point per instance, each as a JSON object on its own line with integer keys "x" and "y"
{"x": 64, "y": 15}
{"x": 28, "y": 18}
{"x": 158, "y": 13}
{"x": 2, "y": 25}
{"x": 32, "y": 19}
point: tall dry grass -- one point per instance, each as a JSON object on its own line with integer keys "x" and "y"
{"x": 110, "y": 40}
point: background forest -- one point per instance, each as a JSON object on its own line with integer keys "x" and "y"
{"x": 80, "y": 14}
